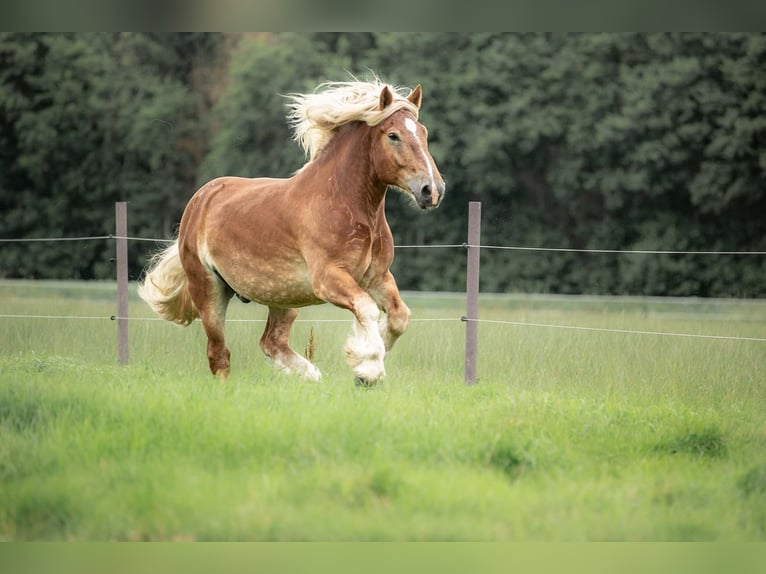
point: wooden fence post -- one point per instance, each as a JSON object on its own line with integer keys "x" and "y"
{"x": 472, "y": 291}
{"x": 121, "y": 232}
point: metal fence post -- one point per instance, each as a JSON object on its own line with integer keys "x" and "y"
{"x": 472, "y": 291}
{"x": 121, "y": 232}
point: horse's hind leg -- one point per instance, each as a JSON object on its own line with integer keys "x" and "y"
{"x": 274, "y": 344}
{"x": 211, "y": 298}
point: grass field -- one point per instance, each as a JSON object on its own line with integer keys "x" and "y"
{"x": 568, "y": 435}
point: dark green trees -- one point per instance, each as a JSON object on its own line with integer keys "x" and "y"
{"x": 605, "y": 141}
{"x": 90, "y": 119}
{"x": 611, "y": 141}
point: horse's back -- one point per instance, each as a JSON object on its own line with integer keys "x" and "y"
{"x": 223, "y": 201}
{"x": 217, "y": 192}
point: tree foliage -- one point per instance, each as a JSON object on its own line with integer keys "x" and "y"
{"x": 87, "y": 120}
{"x": 585, "y": 141}
{"x": 253, "y": 138}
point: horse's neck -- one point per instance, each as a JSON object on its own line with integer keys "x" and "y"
{"x": 346, "y": 165}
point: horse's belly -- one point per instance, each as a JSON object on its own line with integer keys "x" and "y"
{"x": 286, "y": 299}
{"x": 278, "y": 285}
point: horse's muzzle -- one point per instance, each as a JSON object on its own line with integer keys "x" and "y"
{"x": 429, "y": 196}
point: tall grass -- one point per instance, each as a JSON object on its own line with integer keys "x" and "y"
{"x": 569, "y": 435}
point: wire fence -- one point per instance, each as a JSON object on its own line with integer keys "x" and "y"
{"x": 432, "y": 246}
{"x": 84, "y": 238}
{"x": 443, "y": 319}
{"x": 414, "y": 320}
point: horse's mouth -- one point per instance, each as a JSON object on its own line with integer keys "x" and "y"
{"x": 424, "y": 202}
{"x": 427, "y": 203}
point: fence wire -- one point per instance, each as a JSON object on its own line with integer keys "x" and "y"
{"x": 432, "y": 246}
{"x": 608, "y": 330}
{"x": 415, "y": 320}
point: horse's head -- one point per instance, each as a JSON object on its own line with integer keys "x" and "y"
{"x": 400, "y": 153}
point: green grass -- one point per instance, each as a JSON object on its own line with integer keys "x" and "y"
{"x": 568, "y": 436}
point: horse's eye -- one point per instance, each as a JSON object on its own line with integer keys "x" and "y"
{"x": 393, "y": 136}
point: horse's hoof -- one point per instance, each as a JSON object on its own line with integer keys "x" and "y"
{"x": 364, "y": 383}
{"x": 222, "y": 375}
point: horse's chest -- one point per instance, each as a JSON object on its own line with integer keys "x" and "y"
{"x": 371, "y": 267}
{"x": 365, "y": 255}
{"x": 361, "y": 266}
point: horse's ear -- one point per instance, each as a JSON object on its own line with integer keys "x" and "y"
{"x": 386, "y": 97}
{"x": 416, "y": 96}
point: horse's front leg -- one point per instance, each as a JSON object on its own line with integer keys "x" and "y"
{"x": 365, "y": 348}
{"x": 396, "y": 319}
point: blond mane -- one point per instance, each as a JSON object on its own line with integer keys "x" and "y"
{"x": 314, "y": 117}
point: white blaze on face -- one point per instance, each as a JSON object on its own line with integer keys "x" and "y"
{"x": 413, "y": 127}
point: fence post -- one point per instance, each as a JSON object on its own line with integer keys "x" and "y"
{"x": 472, "y": 291}
{"x": 121, "y": 232}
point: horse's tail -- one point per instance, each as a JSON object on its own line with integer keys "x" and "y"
{"x": 166, "y": 288}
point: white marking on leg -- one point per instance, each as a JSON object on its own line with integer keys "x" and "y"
{"x": 365, "y": 349}
{"x": 296, "y": 365}
{"x": 385, "y": 333}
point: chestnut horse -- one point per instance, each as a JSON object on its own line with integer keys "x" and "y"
{"x": 318, "y": 236}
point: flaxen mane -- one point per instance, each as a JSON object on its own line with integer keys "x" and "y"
{"x": 314, "y": 117}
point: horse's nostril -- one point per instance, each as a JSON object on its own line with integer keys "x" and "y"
{"x": 426, "y": 191}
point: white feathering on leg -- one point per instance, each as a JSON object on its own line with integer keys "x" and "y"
{"x": 365, "y": 349}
